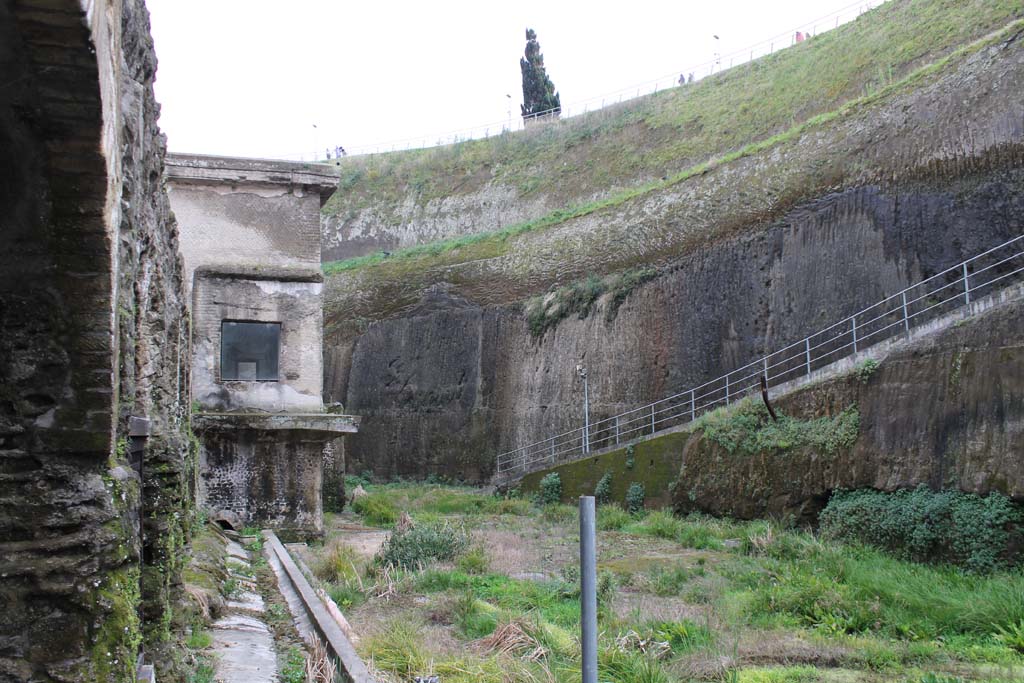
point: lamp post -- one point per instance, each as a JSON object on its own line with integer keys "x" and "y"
{"x": 582, "y": 373}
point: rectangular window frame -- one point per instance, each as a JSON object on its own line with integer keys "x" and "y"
{"x": 221, "y": 360}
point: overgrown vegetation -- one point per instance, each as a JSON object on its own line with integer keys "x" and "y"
{"x": 748, "y": 429}
{"x": 603, "y": 490}
{"x": 755, "y": 600}
{"x": 635, "y": 497}
{"x": 419, "y": 545}
{"x": 578, "y": 298}
{"x": 926, "y": 525}
{"x": 550, "y": 489}
{"x": 376, "y": 509}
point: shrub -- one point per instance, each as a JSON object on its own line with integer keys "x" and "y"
{"x": 603, "y": 490}
{"x": 551, "y": 489}
{"x": 866, "y": 369}
{"x": 926, "y": 525}
{"x": 376, "y": 509}
{"x": 419, "y": 545}
{"x": 630, "y": 459}
{"x": 474, "y": 561}
{"x": 635, "y": 497}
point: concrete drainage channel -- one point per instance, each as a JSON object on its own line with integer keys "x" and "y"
{"x": 313, "y": 618}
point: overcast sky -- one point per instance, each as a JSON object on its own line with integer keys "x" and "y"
{"x": 289, "y": 79}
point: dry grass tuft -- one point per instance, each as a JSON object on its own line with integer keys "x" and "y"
{"x": 320, "y": 668}
{"x": 514, "y": 638}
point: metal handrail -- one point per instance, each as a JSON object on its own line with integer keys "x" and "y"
{"x": 902, "y": 311}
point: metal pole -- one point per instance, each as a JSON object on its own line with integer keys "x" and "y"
{"x": 766, "y": 369}
{"x": 853, "y": 326}
{"x": 693, "y": 406}
{"x": 588, "y": 588}
{"x": 967, "y": 286}
{"x": 727, "y": 390}
{"x": 586, "y": 416}
{"x": 906, "y": 320}
{"x": 652, "y": 418}
{"x": 807, "y": 352}
{"x": 616, "y": 429}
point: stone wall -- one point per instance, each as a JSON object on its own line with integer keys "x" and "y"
{"x": 247, "y": 212}
{"x": 94, "y": 321}
{"x": 290, "y": 296}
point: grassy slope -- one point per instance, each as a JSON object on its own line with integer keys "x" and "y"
{"x": 629, "y": 145}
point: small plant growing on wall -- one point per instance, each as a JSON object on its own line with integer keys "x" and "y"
{"x": 603, "y": 490}
{"x": 630, "y": 460}
{"x": 635, "y": 498}
{"x": 866, "y": 369}
{"x": 550, "y": 489}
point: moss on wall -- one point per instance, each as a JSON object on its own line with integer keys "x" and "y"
{"x": 654, "y": 463}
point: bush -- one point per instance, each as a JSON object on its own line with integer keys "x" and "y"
{"x": 603, "y": 490}
{"x": 550, "y": 489}
{"x": 376, "y": 509}
{"x": 612, "y": 518}
{"x": 635, "y": 497}
{"x": 926, "y": 525}
{"x": 419, "y": 545}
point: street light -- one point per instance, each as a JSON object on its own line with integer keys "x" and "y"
{"x": 582, "y": 373}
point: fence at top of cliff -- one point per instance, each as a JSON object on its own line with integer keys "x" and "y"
{"x": 718, "y": 63}
{"x": 894, "y": 315}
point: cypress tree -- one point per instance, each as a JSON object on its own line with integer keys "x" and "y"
{"x": 539, "y": 94}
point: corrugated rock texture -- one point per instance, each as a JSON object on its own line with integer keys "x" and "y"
{"x": 93, "y": 322}
{"x": 754, "y": 254}
{"x": 947, "y": 412}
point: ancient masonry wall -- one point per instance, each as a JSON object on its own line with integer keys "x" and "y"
{"x": 94, "y": 322}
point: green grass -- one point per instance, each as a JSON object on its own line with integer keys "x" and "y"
{"x": 840, "y": 589}
{"x": 881, "y": 617}
{"x": 376, "y": 509}
{"x": 674, "y": 134}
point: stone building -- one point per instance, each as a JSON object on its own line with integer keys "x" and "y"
{"x": 251, "y": 245}
{"x": 96, "y": 468}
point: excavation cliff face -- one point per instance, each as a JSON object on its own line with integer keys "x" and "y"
{"x": 947, "y": 412}
{"x": 752, "y": 254}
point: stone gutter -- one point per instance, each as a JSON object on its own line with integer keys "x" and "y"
{"x": 291, "y": 578}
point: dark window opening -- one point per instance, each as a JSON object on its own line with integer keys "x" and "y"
{"x": 249, "y": 351}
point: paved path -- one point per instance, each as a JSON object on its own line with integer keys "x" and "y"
{"x": 242, "y": 643}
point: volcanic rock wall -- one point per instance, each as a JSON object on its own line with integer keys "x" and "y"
{"x": 754, "y": 254}
{"x": 93, "y": 511}
{"x": 947, "y": 411}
